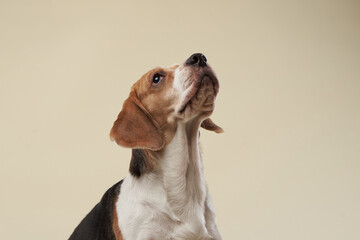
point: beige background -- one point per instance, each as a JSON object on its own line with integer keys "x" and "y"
{"x": 288, "y": 165}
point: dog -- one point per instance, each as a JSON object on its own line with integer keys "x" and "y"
{"x": 165, "y": 196}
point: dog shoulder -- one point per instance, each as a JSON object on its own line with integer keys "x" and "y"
{"x": 98, "y": 224}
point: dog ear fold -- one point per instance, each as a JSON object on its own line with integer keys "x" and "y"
{"x": 208, "y": 124}
{"x": 134, "y": 127}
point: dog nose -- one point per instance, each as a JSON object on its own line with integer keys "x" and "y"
{"x": 197, "y": 59}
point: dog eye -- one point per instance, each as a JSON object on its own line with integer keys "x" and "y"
{"x": 156, "y": 78}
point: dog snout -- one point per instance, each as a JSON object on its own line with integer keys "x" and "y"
{"x": 197, "y": 59}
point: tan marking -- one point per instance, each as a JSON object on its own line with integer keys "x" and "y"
{"x": 210, "y": 125}
{"x": 115, "y": 225}
{"x": 148, "y": 118}
{"x": 135, "y": 127}
{"x": 144, "y": 120}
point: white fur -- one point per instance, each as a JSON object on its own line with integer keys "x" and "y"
{"x": 172, "y": 202}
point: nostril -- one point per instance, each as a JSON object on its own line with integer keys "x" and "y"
{"x": 204, "y": 58}
{"x": 197, "y": 59}
{"x": 192, "y": 60}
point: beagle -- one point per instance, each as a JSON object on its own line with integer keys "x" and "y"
{"x": 165, "y": 195}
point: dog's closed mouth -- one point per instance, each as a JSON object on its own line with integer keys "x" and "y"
{"x": 197, "y": 86}
{"x": 183, "y": 109}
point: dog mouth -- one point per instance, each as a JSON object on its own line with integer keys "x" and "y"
{"x": 196, "y": 86}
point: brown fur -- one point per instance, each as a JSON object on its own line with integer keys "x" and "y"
{"x": 115, "y": 225}
{"x": 208, "y": 124}
{"x": 136, "y": 128}
{"x": 144, "y": 120}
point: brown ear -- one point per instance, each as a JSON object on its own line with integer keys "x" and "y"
{"x": 135, "y": 128}
{"x": 208, "y": 124}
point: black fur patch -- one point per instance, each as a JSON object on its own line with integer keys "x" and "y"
{"x": 139, "y": 164}
{"x": 97, "y": 225}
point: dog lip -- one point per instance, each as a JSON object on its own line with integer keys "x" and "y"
{"x": 190, "y": 96}
{"x": 183, "y": 109}
{"x": 198, "y": 85}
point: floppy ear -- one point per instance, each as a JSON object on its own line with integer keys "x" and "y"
{"x": 134, "y": 127}
{"x": 208, "y": 124}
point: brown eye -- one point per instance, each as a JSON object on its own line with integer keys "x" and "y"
{"x": 156, "y": 78}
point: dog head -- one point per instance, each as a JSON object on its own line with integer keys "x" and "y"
{"x": 161, "y": 98}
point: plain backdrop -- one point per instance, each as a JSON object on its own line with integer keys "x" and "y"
{"x": 288, "y": 164}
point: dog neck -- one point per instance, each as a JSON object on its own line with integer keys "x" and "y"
{"x": 169, "y": 186}
{"x": 179, "y": 165}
